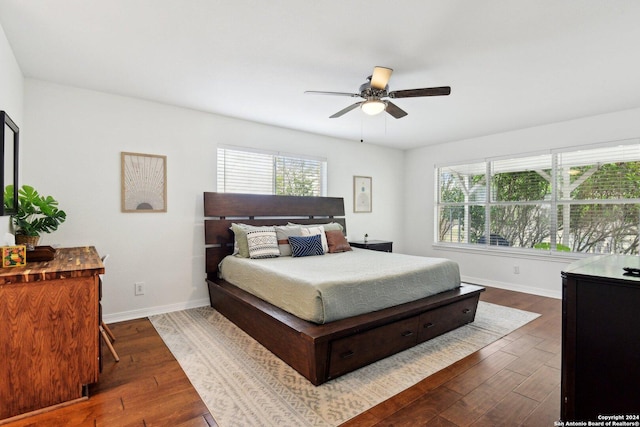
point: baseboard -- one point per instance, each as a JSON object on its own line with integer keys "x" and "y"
{"x": 511, "y": 287}
{"x": 150, "y": 311}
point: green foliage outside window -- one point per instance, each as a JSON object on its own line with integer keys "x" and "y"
{"x": 589, "y": 206}
{"x": 296, "y": 177}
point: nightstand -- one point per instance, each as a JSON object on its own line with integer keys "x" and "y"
{"x": 374, "y": 245}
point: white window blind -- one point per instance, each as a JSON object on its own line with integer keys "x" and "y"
{"x": 581, "y": 200}
{"x": 599, "y": 199}
{"x": 243, "y": 170}
{"x": 520, "y": 201}
{"x": 462, "y": 195}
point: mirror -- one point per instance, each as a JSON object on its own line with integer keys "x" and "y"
{"x": 9, "y": 138}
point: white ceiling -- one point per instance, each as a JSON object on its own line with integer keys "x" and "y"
{"x": 510, "y": 63}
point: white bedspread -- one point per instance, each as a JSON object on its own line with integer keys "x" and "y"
{"x": 329, "y": 287}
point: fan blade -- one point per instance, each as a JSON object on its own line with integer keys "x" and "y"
{"x": 345, "y": 110}
{"x": 394, "y": 110}
{"x": 317, "y": 92}
{"x": 380, "y": 77}
{"x": 428, "y": 91}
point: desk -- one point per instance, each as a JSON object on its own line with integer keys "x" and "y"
{"x": 49, "y": 312}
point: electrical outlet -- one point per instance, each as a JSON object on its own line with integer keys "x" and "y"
{"x": 516, "y": 269}
{"x": 139, "y": 288}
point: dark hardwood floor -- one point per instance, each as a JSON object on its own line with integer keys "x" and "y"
{"x": 146, "y": 388}
{"x": 514, "y": 381}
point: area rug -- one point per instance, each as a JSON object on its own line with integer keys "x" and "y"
{"x": 243, "y": 384}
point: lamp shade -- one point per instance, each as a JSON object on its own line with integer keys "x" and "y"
{"x": 373, "y": 107}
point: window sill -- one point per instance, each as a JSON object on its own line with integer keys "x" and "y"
{"x": 537, "y": 254}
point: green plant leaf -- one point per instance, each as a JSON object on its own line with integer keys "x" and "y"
{"x": 35, "y": 214}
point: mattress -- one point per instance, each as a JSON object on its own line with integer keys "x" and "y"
{"x": 330, "y": 287}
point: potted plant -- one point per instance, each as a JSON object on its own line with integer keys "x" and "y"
{"x": 35, "y": 214}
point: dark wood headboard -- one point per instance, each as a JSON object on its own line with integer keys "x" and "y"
{"x": 221, "y": 209}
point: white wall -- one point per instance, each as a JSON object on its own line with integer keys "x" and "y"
{"x": 72, "y": 152}
{"x": 11, "y": 96}
{"x": 11, "y": 81}
{"x": 540, "y": 275}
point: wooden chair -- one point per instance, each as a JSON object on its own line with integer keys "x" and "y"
{"x": 105, "y": 332}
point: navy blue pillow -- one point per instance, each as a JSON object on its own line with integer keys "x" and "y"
{"x": 306, "y": 245}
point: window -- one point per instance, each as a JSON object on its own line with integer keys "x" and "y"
{"x": 243, "y": 170}
{"x": 585, "y": 200}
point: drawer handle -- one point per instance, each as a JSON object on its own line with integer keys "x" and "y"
{"x": 407, "y": 333}
{"x": 347, "y": 354}
{"x": 466, "y": 310}
{"x": 429, "y": 325}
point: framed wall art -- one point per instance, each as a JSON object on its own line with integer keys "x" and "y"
{"x": 362, "y": 194}
{"x": 9, "y": 141}
{"x": 144, "y": 182}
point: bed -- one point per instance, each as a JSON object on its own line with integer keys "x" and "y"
{"x": 337, "y": 342}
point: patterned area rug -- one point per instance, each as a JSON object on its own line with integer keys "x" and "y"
{"x": 243, "y": 384}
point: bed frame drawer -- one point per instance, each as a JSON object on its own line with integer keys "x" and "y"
{"x": 444, "y": 319}
{"x": 350, "y": 353}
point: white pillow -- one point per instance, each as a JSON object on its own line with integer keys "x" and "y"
{"x": 312, "y": 231}
{"x": 263, "y": 243}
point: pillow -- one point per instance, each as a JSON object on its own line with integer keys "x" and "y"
{"x": 240, "y": 238}
{"x": 263, "y": 243}
{"x": 337, "y": 242}
{"x": 327, "y": 226}
{"x": 312, "y": 231}
{"x": 240, "y": 246}
{"x": 283, "y": 232}
{"x": 306, "y": 245}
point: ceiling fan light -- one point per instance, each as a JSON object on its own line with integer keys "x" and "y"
{"x": 373, "y": 107}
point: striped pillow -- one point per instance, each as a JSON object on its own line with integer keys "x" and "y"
{"x": 263, "y": 243}
{"x": 306, "y": 245}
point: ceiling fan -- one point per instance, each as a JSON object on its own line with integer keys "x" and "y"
{"x": 376, "y": 88}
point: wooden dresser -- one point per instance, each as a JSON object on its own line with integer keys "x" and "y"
{"x": 600, "y": 339}
{"x": 49, "y": 345}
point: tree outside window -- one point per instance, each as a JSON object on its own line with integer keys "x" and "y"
{"x": 241, "y": 170}
{"x": 585, "y": 200}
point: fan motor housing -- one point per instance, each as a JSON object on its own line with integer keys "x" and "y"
{"x": 366, "y": 91}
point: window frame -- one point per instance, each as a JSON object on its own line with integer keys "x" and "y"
{"x": 554, "y": 201}
{"x": 275, "y": 156}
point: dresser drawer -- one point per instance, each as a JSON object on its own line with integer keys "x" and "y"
{"x": 445, "y": 318}
{"x": 350, "y": 353}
